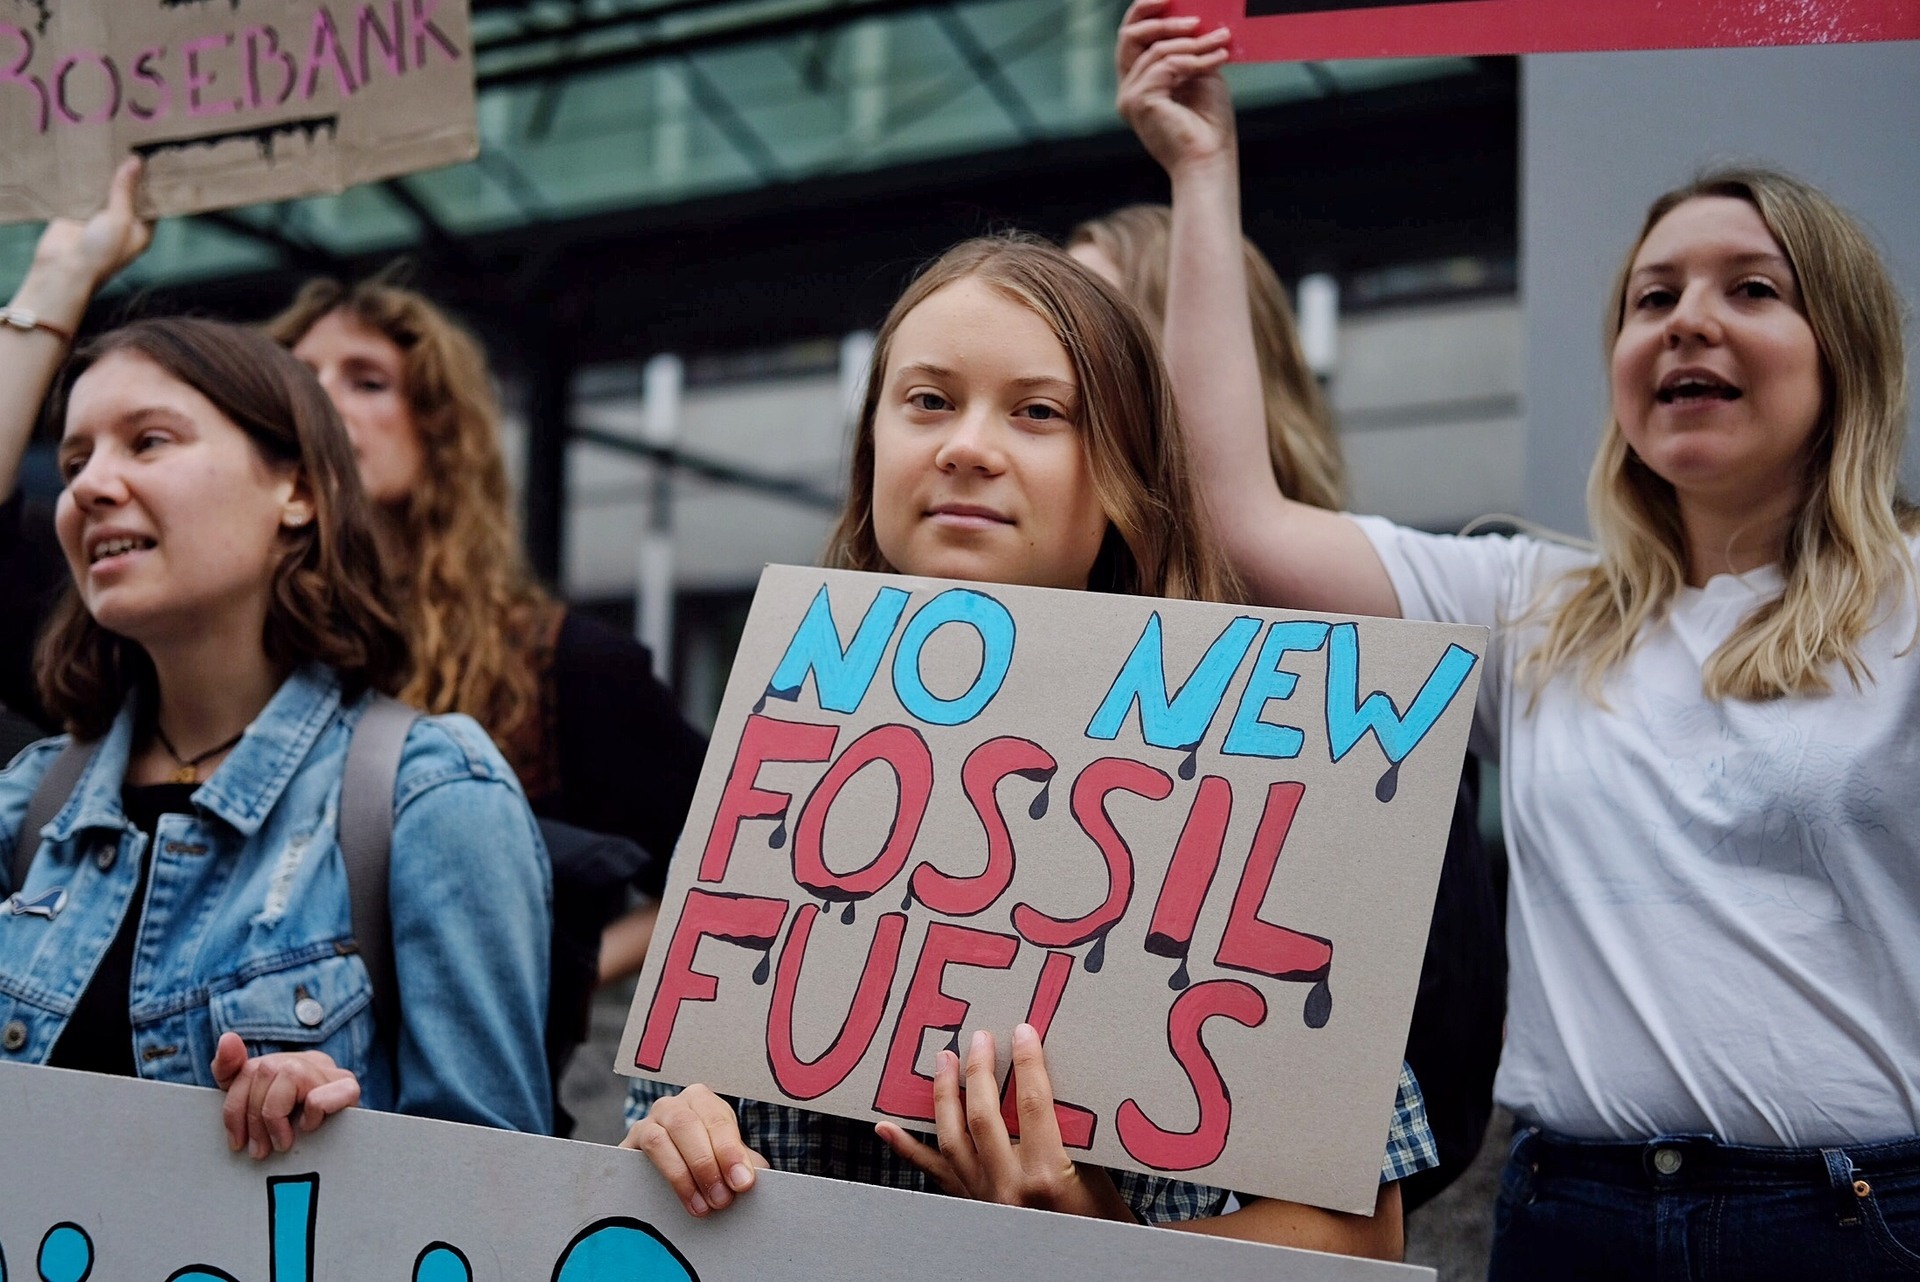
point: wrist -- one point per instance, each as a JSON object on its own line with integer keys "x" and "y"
{"x": 1213, "y": 169}
{"x": 1099, "y": 1197}
{"x": 58, "y": 292}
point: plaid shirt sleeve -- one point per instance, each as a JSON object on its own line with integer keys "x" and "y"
{"x": 797, "y": 1139}
{"x": 1410, "y": 1144}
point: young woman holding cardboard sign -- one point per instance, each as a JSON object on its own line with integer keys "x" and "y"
{"x": 1018, "y": 428}
{"x": 1706, "y": 727}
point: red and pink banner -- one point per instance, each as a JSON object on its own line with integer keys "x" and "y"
{"x": 1297, "y": 30}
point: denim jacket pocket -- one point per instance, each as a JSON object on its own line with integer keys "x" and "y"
{"x": 320, "y": 1005}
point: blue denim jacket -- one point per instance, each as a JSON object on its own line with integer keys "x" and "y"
{"x": 246, "y": 915}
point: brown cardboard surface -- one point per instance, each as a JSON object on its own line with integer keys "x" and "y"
{"x": 1147, "y": 827}
{"x": 116, "y": 1180}
{"x": 231, "y": 102}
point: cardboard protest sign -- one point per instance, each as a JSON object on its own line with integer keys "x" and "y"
{"x": 1194, "y": 845}
{"x": 115, "y": 1180}
{"x": 230, "y": 103}
{"x": 1312, "y": 30}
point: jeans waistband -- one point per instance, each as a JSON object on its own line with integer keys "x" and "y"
{"x": 1694, "y": 1161}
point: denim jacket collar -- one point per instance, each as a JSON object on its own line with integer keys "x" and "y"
{"x": 243, "y": 790}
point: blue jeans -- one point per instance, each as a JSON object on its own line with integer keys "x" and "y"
{"x": 1691, "y": 1209}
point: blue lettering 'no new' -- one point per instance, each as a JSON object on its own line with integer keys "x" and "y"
{"x": 1179, "y": 721}
{"x": 1250, "y": 735}
{"x": 994, "y": 625}
{"x": 841, "y": 675}
{"x": 1349, "y": 718}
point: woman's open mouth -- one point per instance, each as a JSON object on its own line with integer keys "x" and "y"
{"x": 1693, "y": 388}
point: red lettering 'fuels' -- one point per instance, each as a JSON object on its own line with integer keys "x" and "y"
{"x": 1076, "y": 1124}
{"x": 810, "y": 1079}
{"x": 750, "y": 921}
{"x": 903, "y": 1091}
{"x": 1155, "y": 1146}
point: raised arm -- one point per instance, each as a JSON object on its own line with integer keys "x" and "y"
{"x": 1289, "y": 554}
{"x": 72, "y": 260}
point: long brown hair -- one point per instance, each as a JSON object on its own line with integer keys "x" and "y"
{"x": 472, "y": 609}
{"x": 1848, "y": 542}
{"x": 1157, "y": 541}
{"x": 1301, "y": 440}
{"x": 325, "y": 605}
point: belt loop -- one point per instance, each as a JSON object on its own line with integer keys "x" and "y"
{"x": 1840, "y": 1177}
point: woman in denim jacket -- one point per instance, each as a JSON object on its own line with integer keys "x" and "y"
{"x": 186, "y": 917}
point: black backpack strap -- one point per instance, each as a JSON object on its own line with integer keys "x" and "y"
{"x": 366, "y": 841}
{"x": 55, "y": 787}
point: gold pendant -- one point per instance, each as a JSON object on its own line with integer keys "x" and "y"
{"x": 186, "y": 774}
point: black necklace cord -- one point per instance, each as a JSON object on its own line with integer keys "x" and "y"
{"x": 189, "y": 771}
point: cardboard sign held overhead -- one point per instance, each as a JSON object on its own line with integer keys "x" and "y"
{"x": 1314, "y": 30}
{"x": 230, "y": 103}
{"x": 122, "y": 1181}
{"x": 1194, "y": 845}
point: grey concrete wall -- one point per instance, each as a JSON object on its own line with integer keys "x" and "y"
{"x": 1428, "y": 403}
{"x": 1603, "y": 134}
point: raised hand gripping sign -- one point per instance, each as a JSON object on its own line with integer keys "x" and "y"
{"x": 230, "y": 103}
{"x": 1194, "y": 845}
{"x": 1311, "y": 30}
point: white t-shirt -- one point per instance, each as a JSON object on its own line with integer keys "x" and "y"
{"x": 1714, "y": 916}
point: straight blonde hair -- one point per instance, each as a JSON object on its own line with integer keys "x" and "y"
{"x": 1158, "y": 541}
{"x": 1301, "y": 440}
{"x": 1848, "y": 541}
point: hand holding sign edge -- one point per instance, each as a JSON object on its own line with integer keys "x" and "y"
{"x": 976, "y": 1158}
{"x": 1171, "y": 91}
{"x": 693, "y": 1140}
{"x": 268, "y": 1096}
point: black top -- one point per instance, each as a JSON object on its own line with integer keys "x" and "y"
{"x": 33, "y": 573}
{"x": 98, "y": 1037}
{"x": 628, "y": 760}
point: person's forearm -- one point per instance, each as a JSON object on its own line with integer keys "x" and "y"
{"x": 623, "y": 945}
{"x": 1209, "y": 338}
{"x": 1285, "y": 552}
{"x": 1381, "y": 1236}
{"x": 57, "y": 293}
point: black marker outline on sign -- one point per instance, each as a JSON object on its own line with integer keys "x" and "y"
{"x": 263, "y": 136}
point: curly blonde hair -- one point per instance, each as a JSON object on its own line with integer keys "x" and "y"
{"x": 472, "y": 610}
{"x": 1848, "y": 541}
{"x": 1301, "y": 440}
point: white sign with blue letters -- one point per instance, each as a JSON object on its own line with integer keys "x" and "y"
{"x": 104, "y": 1179}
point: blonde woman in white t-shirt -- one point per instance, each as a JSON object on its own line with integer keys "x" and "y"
{"x": 1707, "y": 728}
